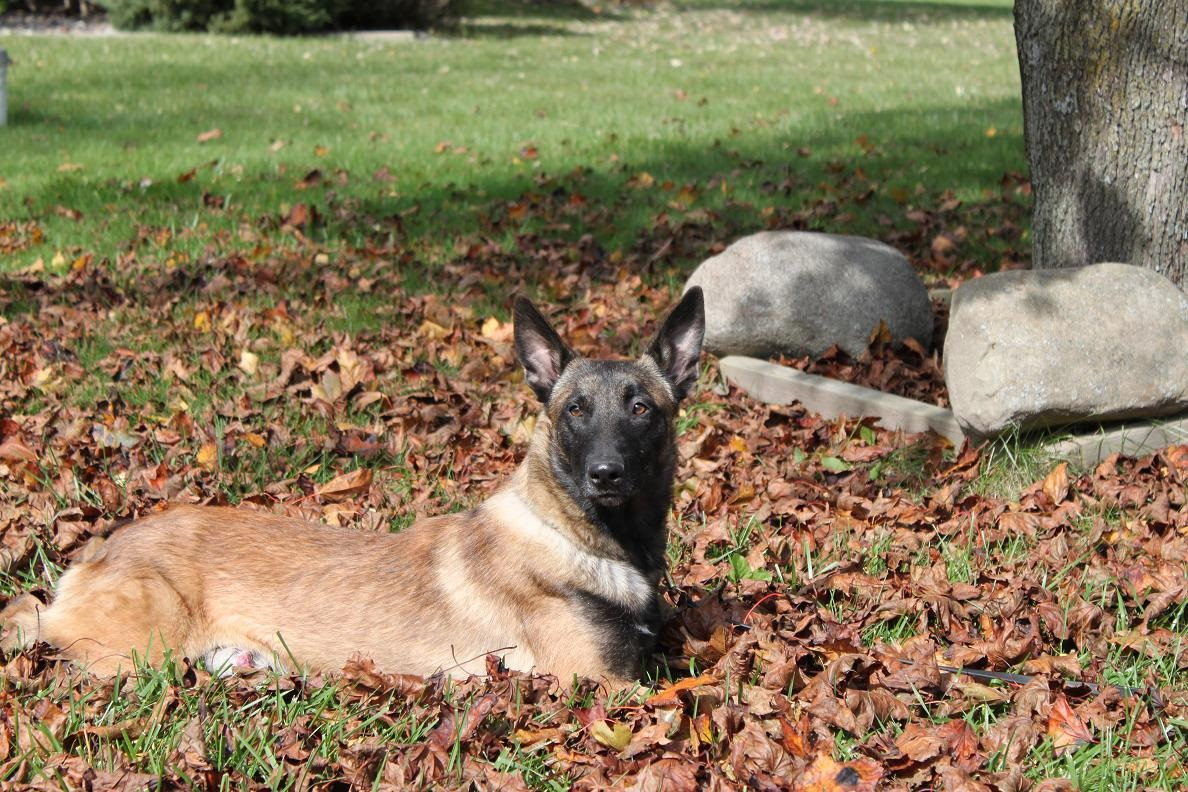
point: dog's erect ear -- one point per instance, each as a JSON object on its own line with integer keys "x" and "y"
{"x": 677, "y": 347}
{"x": 541, "y": 351}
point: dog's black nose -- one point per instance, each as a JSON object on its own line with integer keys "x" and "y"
{"x": 605, "y": 475}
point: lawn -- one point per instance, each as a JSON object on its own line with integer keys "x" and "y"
{"x": 241, "y": 270}
{"x": 843, "y": 114}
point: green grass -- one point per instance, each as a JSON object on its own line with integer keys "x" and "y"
{"x": 756, "y": 108}
{"x": 148, "y": 717}
{"x": 1012, "y": 463}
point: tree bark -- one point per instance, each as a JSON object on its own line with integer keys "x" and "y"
{"x": 1105, "y": 106}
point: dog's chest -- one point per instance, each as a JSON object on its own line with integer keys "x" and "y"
{"x": 575, "y": 567}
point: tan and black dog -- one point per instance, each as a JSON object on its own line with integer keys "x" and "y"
{"x": 556, "y": 573}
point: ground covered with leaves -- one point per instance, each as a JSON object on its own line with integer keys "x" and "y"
{"x": 303, "y": 308}
{"x": 825, "y": 576}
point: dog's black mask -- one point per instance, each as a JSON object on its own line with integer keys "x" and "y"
{"x": 613, "y": 421}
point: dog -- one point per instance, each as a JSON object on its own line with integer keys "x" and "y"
{"x": 556, "y": 573}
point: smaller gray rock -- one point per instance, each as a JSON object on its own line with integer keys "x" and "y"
{"x": 1031, "y": 349}
{"x": 799, "y": 292}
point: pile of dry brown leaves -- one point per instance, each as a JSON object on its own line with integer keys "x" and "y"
{"x": 825, "y": 577}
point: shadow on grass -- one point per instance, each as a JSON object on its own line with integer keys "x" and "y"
{"x": 500, "y": 30}
{"x": 664, "y": 208}
{"x": 818, "y": 180}
{"x": 873, "y": 10}
{"x": 556, "y": 10}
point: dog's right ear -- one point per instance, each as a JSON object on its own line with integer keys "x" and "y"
{"x": 541, "y": 351}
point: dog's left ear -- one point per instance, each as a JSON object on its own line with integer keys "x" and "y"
{"x": 677, "y": 347}
{"x": 541, "y": 351}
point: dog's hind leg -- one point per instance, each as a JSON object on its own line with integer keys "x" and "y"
{"x": 20, "y": 622}
{"x": 104, "y": 618}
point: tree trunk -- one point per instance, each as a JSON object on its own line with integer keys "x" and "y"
{"x": 1105, "y": 106}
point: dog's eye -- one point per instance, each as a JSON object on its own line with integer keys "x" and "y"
{"x": 639, "y": 408}
{"x": 575, "y": 410}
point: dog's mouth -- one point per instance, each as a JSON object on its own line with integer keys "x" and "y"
{"x": 608, "y": 499}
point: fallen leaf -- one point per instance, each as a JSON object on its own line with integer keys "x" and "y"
{"x": 827, "y": 775}
{"x": 612, "y": 734}
{"x": 208, "y": 456}
{"x": 249, "y": 362}
{"x": 669, "y": 695}
{"x": 1067, "y": 730}
{"x": 351, "y": 483}
{"x": 1055, "y": 484}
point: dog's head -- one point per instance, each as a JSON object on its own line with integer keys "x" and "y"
{"x": 612, "y": 420}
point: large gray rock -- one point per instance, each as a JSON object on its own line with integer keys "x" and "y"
{"x": 1051, "y": 347}
{"x": 799, "y": 292}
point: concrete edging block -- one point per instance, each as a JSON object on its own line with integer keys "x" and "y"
{"x": 1133, "y": 440}
{"x": 776, "y": 384}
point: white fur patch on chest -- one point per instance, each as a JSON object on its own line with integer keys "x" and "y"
{"x": 608, "y": 578}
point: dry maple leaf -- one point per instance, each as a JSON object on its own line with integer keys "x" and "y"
{"x": 826, "y": 775}
{"x": 1055, "y": 484}
{"x": 670, "y": 694}
{"x": 208, "y": 456}
{"x": 1065, "y": 727}
{"x": 346, "y": 484}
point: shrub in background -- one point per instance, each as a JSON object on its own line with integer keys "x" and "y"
{"x": 278, "y": 16}
{"x": 166, "y": 16}
{"x": 397, "y": 14}
{"x": 287, "y": 17}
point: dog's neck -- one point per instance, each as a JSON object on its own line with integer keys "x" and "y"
{"x": 635, "y": 532}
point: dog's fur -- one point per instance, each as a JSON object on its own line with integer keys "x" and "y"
{"x": 557, "y": 572}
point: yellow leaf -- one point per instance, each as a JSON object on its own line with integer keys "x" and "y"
{"x": 685, "y": 197}
{"x": 41, "y": 377}
{"x": 433, "y": 330}
{"x": 321, "y": 151}
{"x": 738, "y": 445}
{"x": 284, "y": 333}
{"x": 208, "y": 456}
{"x": 613, "y": 735}
{"x": 202, "y": 322}
{"x": 255, "y": 439}
{"x": 248, "y": 362}
{"x": 491, "y": 328}
{"x": 58, "y": 261}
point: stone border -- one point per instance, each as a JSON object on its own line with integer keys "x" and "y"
{"x": 776, "y": 384}
{"x": 1133, "y": 439}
